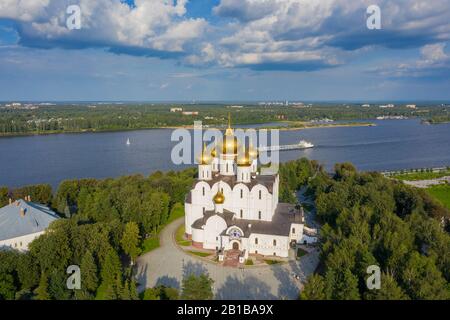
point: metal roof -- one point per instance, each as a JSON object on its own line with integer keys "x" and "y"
{"x": 22, "y": 218}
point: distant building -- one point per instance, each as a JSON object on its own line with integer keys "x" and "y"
{"x": 411, "y": 106}
{"x": 387, "y": 106}
{"x": 190, "y": 113}
{"x": 23, "y": 221}
{"x": 176, "y": 109}
{"x": 366, "y": 106}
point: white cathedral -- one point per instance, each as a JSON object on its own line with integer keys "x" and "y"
{"x": 233, "y": 208}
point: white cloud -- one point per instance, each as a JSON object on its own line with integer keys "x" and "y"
{"x": 433, "y": 62}
{"x": 260, "y": 34}
{"x": 150, "y": 24}
{"x": 298, "y": 31}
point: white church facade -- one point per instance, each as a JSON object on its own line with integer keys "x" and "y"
{"x": 232, "y": 207}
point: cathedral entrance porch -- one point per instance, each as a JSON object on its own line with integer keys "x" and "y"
{"x": 231, "y": 258}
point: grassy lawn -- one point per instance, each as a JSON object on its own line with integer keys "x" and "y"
{"x": 421, "y": 175}
{"x": 179, "y": 237}
{"x": 249, "y": 262}
{"x": 177, "y": 212}
{"x": 152, "y": 243}
{"x": 441, "y": 193}
{"x": 200, "y": 254}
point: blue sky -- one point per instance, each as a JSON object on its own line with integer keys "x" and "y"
{"x": 225, "y": 50}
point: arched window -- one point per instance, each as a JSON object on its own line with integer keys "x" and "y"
{"x": 242, "y": 193}
{"x": 293, "y": 230}
{"x": 274, "y": 242}
{"x": 203, "y": 191}
{"x": 260, "y": 195}
{"x": 241, "y": 213}
{"x": 256, "y": 240}
{"x": 259, "y": 215}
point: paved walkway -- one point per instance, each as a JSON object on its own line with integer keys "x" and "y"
{"x": 428, "y": 183}
{"x": 168, "y": 264}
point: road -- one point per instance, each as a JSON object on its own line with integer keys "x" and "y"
{"x": 168, "y": 264}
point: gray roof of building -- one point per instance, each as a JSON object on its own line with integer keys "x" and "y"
{"x": 36, "y": 218}
{"x": 284, "y": 216}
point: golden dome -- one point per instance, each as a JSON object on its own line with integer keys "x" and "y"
{"x": 213, "y": 152}
{"x": 219, "y": 198}
{"x": 244, "y": 159}
{"x": 230, "y": 145}
{"x": 253, "y": 152}
{"x": 204, "y": 158}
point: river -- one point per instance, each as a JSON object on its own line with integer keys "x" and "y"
{"x": 390, "y": 145}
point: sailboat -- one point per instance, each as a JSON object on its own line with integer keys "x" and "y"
{"x": 128, "y": 142}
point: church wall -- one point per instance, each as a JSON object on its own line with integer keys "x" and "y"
{"x": 239, "y": 203}
{"x": 265, "y": 245}
{"x": 297, "y": 236}
{"x": 212, "y": 230}
{"x": 264, "y": 204}
{"x": 197, "y": 235}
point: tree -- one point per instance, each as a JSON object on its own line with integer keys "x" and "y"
{"x": 197, "y": 287}
{"x": 314, "y": 289}
{"x": 133, "y": 290}
{"x": 341, "y": 285}
{"x": 423, "y": 280}
{"x": 125, "y": 292}
{"x": 7, "y": 287}
{"x": 57, "y": 286}
{"x": 42, "y": 289}
{"x": 111, "y": 274}
{"x": 27, "y": 271}
{"x": 4, "y": 196}
{"x": 40, "y": 193}
{"x": 130, "y": 240}
{"x": 390, "y": 290}
{"x": 343, "y": 170}
{"x": 89, "y": 279}
{"x": 151, "y": 294}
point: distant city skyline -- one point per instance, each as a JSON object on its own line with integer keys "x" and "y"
{"x": 225, "y": 50}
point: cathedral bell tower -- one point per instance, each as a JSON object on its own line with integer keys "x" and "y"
{"x": 244, "y": 167}
{"x": 229, "y": 152}
{"x": 204, "y": 165}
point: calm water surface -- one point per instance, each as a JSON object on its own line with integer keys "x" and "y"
{"x": 392, "y": 144}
